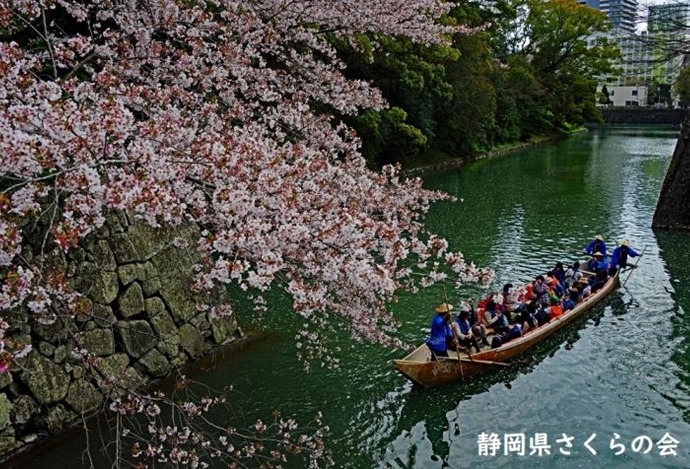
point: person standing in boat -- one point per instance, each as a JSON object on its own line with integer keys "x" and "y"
{"x": 619, "y": 258}
{"x": 441, "y": 334}
{"x": 596, "y": 245}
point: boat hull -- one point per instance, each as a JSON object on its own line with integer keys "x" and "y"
{"x": 421, "y": 369}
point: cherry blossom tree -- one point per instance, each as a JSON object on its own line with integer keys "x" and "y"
{"x": 220, "y": 113}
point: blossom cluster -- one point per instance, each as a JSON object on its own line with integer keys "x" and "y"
{"x": 204, "y": 112}
{"x": 177, "y": 431}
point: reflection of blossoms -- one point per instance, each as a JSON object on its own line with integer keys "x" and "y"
{"x": 193, "y": 439}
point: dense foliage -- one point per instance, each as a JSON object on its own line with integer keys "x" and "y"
{"x": 530, "y": 68}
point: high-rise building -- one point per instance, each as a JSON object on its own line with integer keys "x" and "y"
{"x": 674, "y": 17}
{"x": 621, "y": 13}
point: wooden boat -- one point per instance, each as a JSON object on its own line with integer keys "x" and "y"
{"x": 421, "y": 369}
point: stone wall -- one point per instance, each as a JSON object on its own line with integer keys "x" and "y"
{"x": 673, "y": 207}
{"x": 641, "y": 116}
{"x": 140, "y": 321}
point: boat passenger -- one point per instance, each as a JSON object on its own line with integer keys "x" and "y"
{"x": 559, "y": 272}
{"x": 463, "y": 331}
{"x": 511, "y": 298}
{"x": 514, "y": 332}
{"x": 573, "y": 274}
{"x": 596, "y": 245}
{"x": 586, "y": 291}
{"x": 527, "y": 319}
{"x": 568, "y": 302}
{"x": 556, "y": 307}
{"x": 529, "y": 295}
{"x": 478, "y": 329}
{"x": 619, "y": 258}
{"x": 495, "y": 319}
{"x": 541, "y": 314}
{"x": 600, "y": 280}
{"x": 555, "y": 287}
{"x": 441, "y": 334}
{"x": 599, "y": 263}
{"x": 541, "y": 290}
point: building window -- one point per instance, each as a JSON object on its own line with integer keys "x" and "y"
{"x": 634, "y": 92}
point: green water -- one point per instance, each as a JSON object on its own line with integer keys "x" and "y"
{"x": 623, "y": 370}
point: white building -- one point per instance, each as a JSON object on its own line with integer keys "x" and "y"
{"x": 625, "y": 95}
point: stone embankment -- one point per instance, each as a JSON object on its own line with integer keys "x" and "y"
{"x": 140, "y": 321}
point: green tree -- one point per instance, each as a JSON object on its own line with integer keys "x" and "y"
{"x": 566, "y": 55}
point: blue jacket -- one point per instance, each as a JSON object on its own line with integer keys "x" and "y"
{"x": 440, "y": 332}
{"x": 464, "y": 324}
{"x": 619, "y": 259}
{"x": 596, "y": 245}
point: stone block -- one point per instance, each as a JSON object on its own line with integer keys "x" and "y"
{"x": 153, "y": 306}
{"x": 131, "y": 301}
{"x": 103, "y": 315}
{"x": 192, "y": 341}
{"x": 127, "y": 273}
{"x": 105, "y": 287}
{"x": 58, "y": 419}
{"x": 47, "y": 381}
{"x": 83, "y": 396}
{"x": 5, "y": 411}
{"x": 99, "y": 342}
{"x": 103, "y": 256}
{"x": 123, "y": 249}
{"x": 46, "y": 348}
{"x": 223, "y": 329}
{"x": 23, "y": 408}
{"x": 155, "y": 364}
{"x": 137, "y": 337}
{"x": 180, "y": 302}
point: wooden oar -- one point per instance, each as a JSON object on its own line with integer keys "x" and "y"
{"x": 485, "y": 362}
{"x": 634, "y": 266}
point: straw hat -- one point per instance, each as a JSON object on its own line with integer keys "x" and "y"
{"x": 599, "y": 237}
{"x": 465, "y": 306}
{"x": 444, "y": 308}
{"x": 624, "y": 242}
{"x": 598, "y": 254}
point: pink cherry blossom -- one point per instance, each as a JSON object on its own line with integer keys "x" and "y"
{"x": 202, "y": 112}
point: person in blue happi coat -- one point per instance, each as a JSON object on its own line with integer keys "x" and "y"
{"x": 619, "y": 258}
{"x": 596, "y": 245}
{"x": 441, "y": 335}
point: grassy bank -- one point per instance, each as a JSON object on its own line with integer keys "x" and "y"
{"x": 435, "y": 160}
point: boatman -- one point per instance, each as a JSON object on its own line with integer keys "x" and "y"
{"x": 441, "y": 333}
{"x": 596, "y": 245}
{"x": 619, "y": 258}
